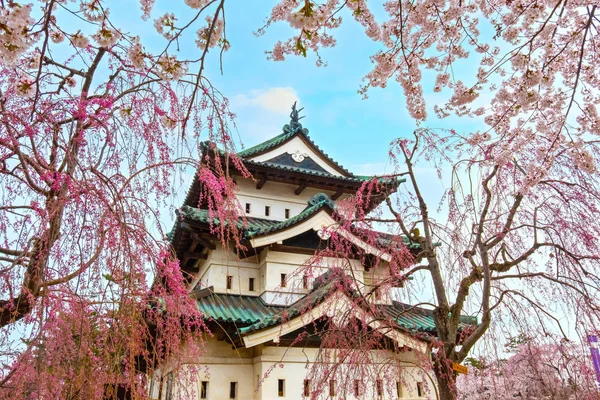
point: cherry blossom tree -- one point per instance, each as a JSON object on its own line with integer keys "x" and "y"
{"x": 517, "y": 229}
{"x": 555, "y": 370}
{"x": 95, "y": 125}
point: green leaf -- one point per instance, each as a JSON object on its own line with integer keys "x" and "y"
{"x": 300, "y": 47}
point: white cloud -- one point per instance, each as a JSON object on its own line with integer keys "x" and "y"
{"x": 277, "y": 100}
{"x": 261, "y": 113}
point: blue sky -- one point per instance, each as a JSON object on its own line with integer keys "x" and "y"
{"x": 354, "y": 131}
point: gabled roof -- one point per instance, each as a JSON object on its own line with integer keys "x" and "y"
{"x": 290, "y": 131}
{"x": 294, "y": 175}
{"x": 412, "y": 318}
{"x": 236, "y": 309}
{"x": 316, "y": 216}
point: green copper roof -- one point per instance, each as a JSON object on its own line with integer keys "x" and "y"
{"x": 288, "y": 133}
{"x": 284, "y": 136}
{"x": 306, "y": 303}
{"x": 266, "y": 145}
{"x": 235, "y": 309}
{"x": 414, "y": 319}
{"x": 251, "y": 313}
{"x": 259, "y": 226}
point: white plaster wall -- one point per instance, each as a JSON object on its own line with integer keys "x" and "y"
{"x": 266, "y": 271}
{"x": 376, "y": 276}
{"x": 293, "y": 365}
{"x": 278, "y": 196}
{"x": 296, "y": 145}
{"x": 258, "y": 375}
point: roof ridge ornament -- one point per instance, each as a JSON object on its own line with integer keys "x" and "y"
{"x": 321, "y": 198}
{"x": 295, "y": 125}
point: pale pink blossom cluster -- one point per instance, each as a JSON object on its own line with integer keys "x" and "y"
{"x": 93, "y": 10}
{"x": 165, "y": 25}
{"x": 363, "y": 15}
{"x": 212, "y": 35}
{"x": 582, "y": 159}
{"x": 57, "y": 36}
{"x": 136, "y": 54}
{"x": 313, "y": 21}
{"x": 169, "y": 68}
{"x": 106, "y": 37}
{"x": 15, "y": 35}
{"x": 79, "y": 40}
{"x": 462, "y": 95}
{"x": 197, "y": 4}
{"x": 478, "y": 138}
{"x": 25, "y": 86}
{"x": 539, "y": 54}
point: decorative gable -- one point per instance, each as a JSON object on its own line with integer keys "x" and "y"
{"x": 293, "y": 148}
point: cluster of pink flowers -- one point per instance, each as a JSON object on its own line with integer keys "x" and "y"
{"x": 15, "y": 35}
{"x": 170, "y": 68}
{"x": 216, "y": 35}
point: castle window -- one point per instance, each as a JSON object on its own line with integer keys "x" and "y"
{"x": 332, "y": 388}
{"x": 378, "y": 294}
{"x": 305, "y": 282}
{"x": 233, "y": 390}
{"x": 251, "y": 284}
{"x": 169, "y": 389}
{"x": 229, "y": 282}
{"x": 283, "y": 280}
{"x": 247, "y": 208}
{"x": 267, "y": 211}
{"x": 306, "y": 387}
{"x": 287, "y": 213}
{"x": 420, "y": 389}
{"x": 203, "y": 389}
{"x": 356, "y": 388}
{"x": 379, "y": 385}
{"x": 281, "y": 387}
{"x": 399, "y": 389}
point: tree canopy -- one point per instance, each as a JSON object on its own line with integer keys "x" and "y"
{"x": 93, "y": 127}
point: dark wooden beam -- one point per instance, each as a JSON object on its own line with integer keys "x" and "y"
{"x": 292, "y": 249}
{"x": 337, "y": 194}
{"x": 262, "y": 182}
{"x": 203, "y": 241}
{"x": 193, "y": 256}
{"x": 192, "y": 246}
{"x": 300, "y": 188}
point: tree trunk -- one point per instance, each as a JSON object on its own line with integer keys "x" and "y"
{"x": 446, "y": 380}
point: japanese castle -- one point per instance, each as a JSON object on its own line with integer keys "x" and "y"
{"x": 263, "y": 307}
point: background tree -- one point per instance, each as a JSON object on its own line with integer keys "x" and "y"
{"x": 554, "y": 370}
{"x": 518, "y": 229}
{"x": 91, "y": 126}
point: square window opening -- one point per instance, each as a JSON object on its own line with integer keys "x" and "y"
{"x": 399, "y": 389}
{"x": 203, "y": 389}
{"x": 233, "y": 390}
{"x": 306, "y": 387}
